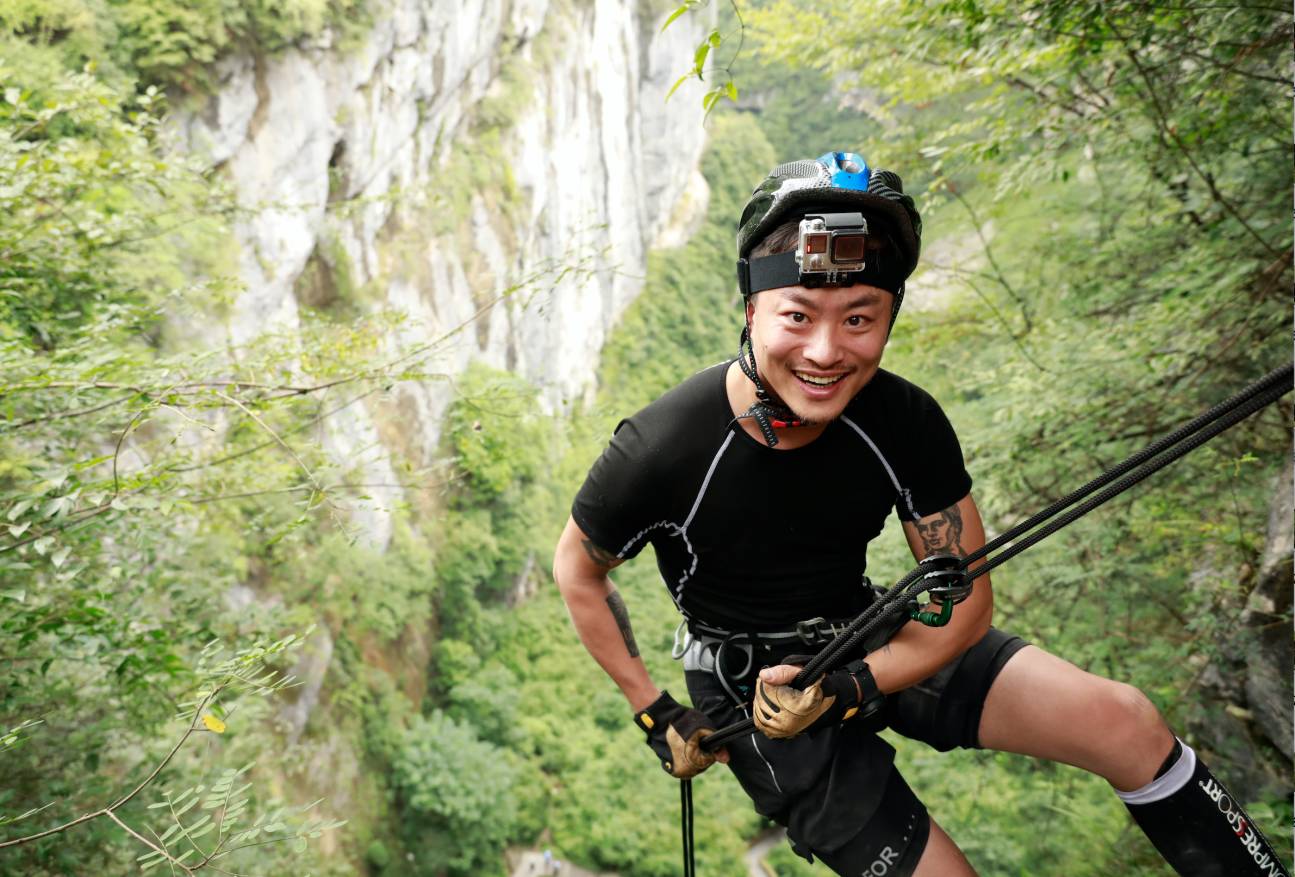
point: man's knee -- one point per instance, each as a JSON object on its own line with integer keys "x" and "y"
{"x": 1128, "y": 724}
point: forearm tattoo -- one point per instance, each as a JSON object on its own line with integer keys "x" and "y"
{"x": 942, "y": 532}
{"x": 617, "y": 605}
{"x": 600, "y": 556}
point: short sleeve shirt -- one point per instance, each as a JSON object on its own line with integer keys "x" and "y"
{"x": 749, "y": 537}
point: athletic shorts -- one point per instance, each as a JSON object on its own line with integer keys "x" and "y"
{"x": 837, "y": 790}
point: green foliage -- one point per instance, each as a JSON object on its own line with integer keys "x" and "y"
{"x": 497, "y": 439}
{"x": 501, "y": 445}
{"x": 358, "y": 587}
{"x": 459, "y": 790}
{"x": 174, "y": 42}
{"x": 723, "y": 86}
{"x": 87, "y": 194}
{"x": 1098, "y": 185}
{"x": 145, "y": 484}
{"x": 223, "y": 808}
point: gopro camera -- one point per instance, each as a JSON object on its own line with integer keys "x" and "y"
{"x": 831, "y": 244}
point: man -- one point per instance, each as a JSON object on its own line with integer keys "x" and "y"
{"x": 760, "y": 482}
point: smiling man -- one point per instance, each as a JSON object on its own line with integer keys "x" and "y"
{"x": 759, "y": 483}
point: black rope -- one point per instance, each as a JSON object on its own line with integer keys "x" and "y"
{"x": 1278, "y": 377}
{"x": 1117, "y": 487}
{"x": 685, "y": 810}
{"x": 1110, "y": 484}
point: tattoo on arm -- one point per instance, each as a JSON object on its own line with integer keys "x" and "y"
{"x": 617, "y": 605}
{"x": 600, "y": 556}
{"x": 942, "y": 532}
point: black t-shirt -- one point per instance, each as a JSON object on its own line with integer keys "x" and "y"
{"x": 748, "y": 537}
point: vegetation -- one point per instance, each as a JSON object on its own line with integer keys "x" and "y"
{"x": 1103, "y": 259}
{"x": 163, "y": 42}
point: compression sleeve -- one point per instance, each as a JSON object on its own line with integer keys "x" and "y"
{"x": 622, "y": 494}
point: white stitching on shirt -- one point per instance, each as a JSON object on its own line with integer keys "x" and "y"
{"x": 682, "y": 531}
{"x": 900, "y": 489}
{"x": 705, "y": 482}
{"x": 641, "y": 533}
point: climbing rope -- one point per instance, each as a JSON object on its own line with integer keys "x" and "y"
{"x": 685, "y": 808}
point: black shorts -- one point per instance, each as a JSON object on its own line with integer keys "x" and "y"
{"x": 837, "y": 790}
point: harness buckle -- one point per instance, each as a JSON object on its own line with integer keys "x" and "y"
{"x": 815, "y": 631}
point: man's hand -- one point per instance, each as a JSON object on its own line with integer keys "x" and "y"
{"x": 675, "y": 733}
{"x": 781, "y": 711}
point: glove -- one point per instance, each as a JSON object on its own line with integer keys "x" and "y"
{"x": 782, "y": 711}
{"x": 675, "y": 733}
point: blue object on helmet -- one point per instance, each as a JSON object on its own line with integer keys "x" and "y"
{"x": 848, "y": 170}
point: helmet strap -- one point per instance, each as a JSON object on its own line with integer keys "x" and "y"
{"x": 768, "y": 413}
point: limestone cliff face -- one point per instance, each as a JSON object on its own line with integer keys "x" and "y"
{"x": 497, "y": 165}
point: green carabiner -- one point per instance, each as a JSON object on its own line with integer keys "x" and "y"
{"x": 932, "y": 619}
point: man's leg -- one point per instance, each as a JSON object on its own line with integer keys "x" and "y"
{"x": 866, "y": 855}
{"x": 1043, "y": 706}
{"x": 942, "y": 857}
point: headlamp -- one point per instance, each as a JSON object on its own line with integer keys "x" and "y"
{"x": 831, "y": 244}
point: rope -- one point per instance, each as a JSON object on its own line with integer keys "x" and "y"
{"x": 685, "y": 810}
{"x": 1278, "y": 377}
{"x": 1102, "y": 489}
{"x": 1117, "y": 487}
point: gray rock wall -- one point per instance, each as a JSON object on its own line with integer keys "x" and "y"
{"x": 1251, "y": 677}
{"x": 498, "y": 166}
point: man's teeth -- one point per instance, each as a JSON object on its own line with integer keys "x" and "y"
{"x": 813, "y": 379}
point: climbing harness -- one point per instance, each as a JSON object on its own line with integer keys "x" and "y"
{"x": 713, "y": 650}
{"x": 947, "y": 580}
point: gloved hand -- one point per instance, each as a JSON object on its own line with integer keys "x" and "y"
{"x": 675, "y": 733}
{"x": 782, "y": 711}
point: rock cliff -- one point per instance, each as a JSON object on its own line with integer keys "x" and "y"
{"x": 494, "y": 169}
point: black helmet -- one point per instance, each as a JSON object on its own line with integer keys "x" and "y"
{"x": 836, "y": 181}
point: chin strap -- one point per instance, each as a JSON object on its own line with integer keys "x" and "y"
{"x": 767, "y": 412}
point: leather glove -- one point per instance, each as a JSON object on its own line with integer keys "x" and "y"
{"x": 675, "y": 733}
{"x": 782, "y": 711}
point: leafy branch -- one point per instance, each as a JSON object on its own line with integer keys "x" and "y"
{"x": 725, "y": 88}
{"x": 247, "y": 671}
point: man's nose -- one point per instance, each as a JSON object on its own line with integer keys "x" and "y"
{"x": 823, "y": 347}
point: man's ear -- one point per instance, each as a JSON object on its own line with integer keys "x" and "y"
{"x": 750, "y": 308}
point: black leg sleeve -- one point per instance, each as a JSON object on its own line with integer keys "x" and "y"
{"x": 1198, "y": 826}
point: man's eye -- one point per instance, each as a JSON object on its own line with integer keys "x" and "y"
{"x": 857, "y": 320}
{"x": 797, "y": 317}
